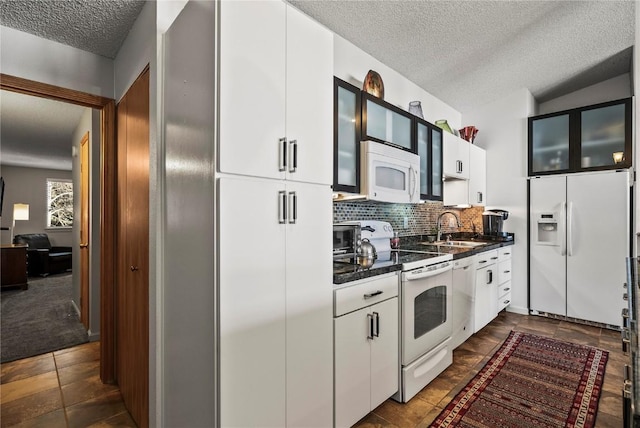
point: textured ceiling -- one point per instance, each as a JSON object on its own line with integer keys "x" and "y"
{"x": 36, "y": 132}
{"x": 469, "y": 53}
{"x": 98, "y": 26}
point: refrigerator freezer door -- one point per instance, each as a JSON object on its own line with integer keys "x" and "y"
{"x": 599, "y": 232}
{"x": 548, "y": 263}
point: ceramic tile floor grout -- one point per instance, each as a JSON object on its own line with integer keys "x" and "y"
{"x": 82, "y": 401}
{"x": 38, "y": 408}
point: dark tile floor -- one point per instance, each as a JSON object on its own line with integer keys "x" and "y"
{"x": 60, "y": 389}
{"x": 63, "y": 388}
{"x": 472, "y": 355}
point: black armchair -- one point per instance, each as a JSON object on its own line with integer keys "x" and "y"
{"x": 42, "y": 258}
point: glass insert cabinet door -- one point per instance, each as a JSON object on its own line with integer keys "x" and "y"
{"x": 549, "y": 144}
{"x": 603, "y": 136}
{"x": 346, "y": 136}
{"x": 596, "y": 137}
{"x": 436, "y": 164}
{"x": 429, "y": 145}
{"x": 385, "y": 123}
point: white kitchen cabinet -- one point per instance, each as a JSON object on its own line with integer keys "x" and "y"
{"x": 455, "y": 157}
{"x": 474, "y": 190}
{"x": 309, "y": 307}
{"x": 464, "y": 275}
{"x": 275, "y": 305}
{"x": 486, "y": 283}
{"x": 366, "y": 348}
{"x": 276, "y": 93}
{"x": 477, "y": 175}
{"x": 504, "y": 277}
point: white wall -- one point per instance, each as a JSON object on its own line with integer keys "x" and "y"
{"x": 609, "y": 90}
{"x": 29, "y": 186}
{"x": 31, "y": 57}
{"x": 352, "y": 64}
{"x": 503, "y": 133}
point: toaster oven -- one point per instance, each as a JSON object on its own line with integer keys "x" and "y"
{"x": 346, "y": 241}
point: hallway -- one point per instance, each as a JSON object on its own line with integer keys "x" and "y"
{"x": 60, "y": 389}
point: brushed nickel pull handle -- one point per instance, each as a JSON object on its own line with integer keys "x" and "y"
{"x": 375, "y": 293}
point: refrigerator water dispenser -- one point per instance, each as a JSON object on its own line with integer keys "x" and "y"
{"x": 548, "y": 229}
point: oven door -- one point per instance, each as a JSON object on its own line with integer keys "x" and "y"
{"x": 426, "y": 309}
{"x": 391, "y": 180}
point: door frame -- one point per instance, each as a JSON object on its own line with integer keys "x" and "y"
{"x": 107, "y": 201}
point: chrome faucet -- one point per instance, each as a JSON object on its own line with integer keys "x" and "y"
{"x": 440, "y": 218}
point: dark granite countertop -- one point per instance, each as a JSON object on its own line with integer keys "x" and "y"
{"x": 347, "y": 272}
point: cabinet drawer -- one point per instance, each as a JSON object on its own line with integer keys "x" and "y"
{"x": 486, "y": 258}
{"x": 504, "y": 301}
{"x": 504, "y": 253}
{"x": 364, "y": 293}
{"x": 504, "y": 289}
{"x": 504, "y": 271}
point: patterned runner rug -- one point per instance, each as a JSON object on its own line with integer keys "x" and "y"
{"x": 531, "y": 381}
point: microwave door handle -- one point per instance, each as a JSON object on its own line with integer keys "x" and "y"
{"x": 412, "y": 182}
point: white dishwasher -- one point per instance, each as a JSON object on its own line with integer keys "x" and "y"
{"x": 463, "y": 300}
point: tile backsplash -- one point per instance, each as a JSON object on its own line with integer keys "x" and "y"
{"x": 421, "y": 218}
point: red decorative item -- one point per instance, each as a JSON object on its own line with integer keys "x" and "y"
{"x": 373, "y": 84}
{"x": 468, "y": 133}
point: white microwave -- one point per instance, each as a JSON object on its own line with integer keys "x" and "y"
{"x": 389, "y": 174}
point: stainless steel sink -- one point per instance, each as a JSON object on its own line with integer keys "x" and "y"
{"x": 459, "y": 244}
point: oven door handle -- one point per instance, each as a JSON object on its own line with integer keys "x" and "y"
{"x": 425, "y": 273}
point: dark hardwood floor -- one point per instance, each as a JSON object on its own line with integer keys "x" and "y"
{"x": 472, "y": 355}
{"x": 63, "y": 388}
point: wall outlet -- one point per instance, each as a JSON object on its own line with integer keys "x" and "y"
{"x": 405, "y": 222}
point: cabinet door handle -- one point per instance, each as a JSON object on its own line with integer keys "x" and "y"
{"x": 482, "y": 261}
{"x": 293, "y": 206}
{"x": 506, "y": 289}
{"x": 490, "y": 276}
{"x": 370, "y": 323}
{"x": 376, "y": 332}
{"x": 506, "y": 302}
{"x": 494, "y": 258}
{"x": 507, "y": 271}
{"x": 479, "y": 197}
{"x": 282, "y": 207}
{"x": 282, "y": 154}
{"x": 293, "y": 154}
{"x": 507, "y": 254}
{"x": 375, "y": 293}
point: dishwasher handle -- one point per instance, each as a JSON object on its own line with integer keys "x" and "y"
{"x": 427, "y": 272}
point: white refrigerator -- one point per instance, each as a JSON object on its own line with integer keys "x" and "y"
{"x": 580, "y": 236}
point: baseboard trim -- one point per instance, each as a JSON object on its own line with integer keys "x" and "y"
{"x": 73, "y": 303}
{"x": 517, "y": 310}
{"x": 93, "y": 337}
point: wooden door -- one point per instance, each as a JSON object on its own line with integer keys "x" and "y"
{"x": 132, "y": 289}
{"x": 84, "y": 230}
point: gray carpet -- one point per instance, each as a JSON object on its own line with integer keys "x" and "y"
{"x": 39, "y": 320}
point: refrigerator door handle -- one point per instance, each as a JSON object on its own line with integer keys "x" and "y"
{"x": 570, "y": 229}
{"x": 563, "y": 217}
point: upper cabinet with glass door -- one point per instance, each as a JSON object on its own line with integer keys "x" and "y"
{"x": 605, "y": 135}
{"x": 386, "y": 123}
{"x": 346, "y": 137}
{"x": 589, "y": 138}
{"x": 429, "y": 142}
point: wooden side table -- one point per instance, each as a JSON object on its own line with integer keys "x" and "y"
{"x": 13, "y": 265}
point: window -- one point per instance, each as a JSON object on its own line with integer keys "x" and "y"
{"x": 59, "y": 203}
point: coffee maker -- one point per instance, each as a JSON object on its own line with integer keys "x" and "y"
{"x": 492, "y": 221}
